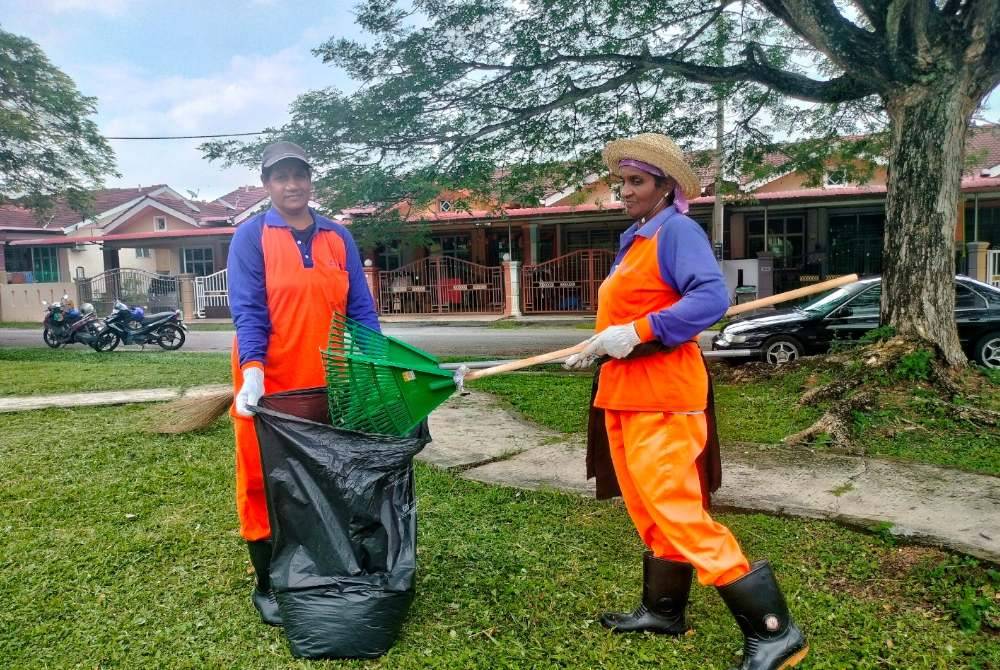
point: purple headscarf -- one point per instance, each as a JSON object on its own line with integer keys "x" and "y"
{"x": 680, "y": 202}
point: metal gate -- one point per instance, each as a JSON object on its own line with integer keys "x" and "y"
{"x": 211, "y": 295}
{"x": 156, "y": 293}
{"x": 993, "y": 265}
{"x": 441, "y": 285}
{"x": 565, "y": 284}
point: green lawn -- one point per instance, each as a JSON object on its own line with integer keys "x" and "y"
{"x": 121, "y": 550}
{"x": 41, "y": 371}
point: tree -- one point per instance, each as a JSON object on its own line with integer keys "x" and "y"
{"x": 50, "y": 151}
{"x": 448, "y": 84}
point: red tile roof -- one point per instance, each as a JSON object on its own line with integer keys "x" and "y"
{"x": 243, "y": 197}
{"x": 62, "y": 216}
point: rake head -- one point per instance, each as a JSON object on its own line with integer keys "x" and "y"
{"x": 377, "y": 384}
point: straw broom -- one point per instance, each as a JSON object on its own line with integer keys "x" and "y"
{"x": 198, "y": 410}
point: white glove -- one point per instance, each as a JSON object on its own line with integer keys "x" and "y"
{"x": 578, "y": 361}
{"x": 614, "y": 341}
{"x": 251, "y": 391}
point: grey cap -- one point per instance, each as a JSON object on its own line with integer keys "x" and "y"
{"x": 280, "y": 151}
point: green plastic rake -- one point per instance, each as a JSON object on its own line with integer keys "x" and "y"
{"x": 378, "y": 384}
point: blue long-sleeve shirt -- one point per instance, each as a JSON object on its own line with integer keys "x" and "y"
{"x": 248, "y": 281}
{"x": 687, "y": 264}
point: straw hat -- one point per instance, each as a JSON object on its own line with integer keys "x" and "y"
{"x": 658, "y": 150}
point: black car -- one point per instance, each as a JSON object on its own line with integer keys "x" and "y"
{"x": 851, "y": 311}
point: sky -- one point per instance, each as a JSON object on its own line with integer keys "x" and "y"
{"x": 184, "y": 67}
{"x": 178, "y": 67}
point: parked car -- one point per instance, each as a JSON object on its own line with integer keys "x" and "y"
{"x": 849, "y": 312}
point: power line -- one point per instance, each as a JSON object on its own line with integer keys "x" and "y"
{"x": 186, "y": 137}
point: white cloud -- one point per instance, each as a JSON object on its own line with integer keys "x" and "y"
{"x": 246, "y": 94}
{"x": 109, "y": 7}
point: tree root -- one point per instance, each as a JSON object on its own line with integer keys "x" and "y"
{"x": 832, "y": 391}
{"x": 836, "y": 422}
{"x": 976, "y": 415}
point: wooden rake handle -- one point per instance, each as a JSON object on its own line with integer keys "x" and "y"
{"x": 735, "y": 309}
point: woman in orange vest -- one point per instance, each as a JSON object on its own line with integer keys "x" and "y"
{"x": 665, "y": 287}
{"x": 289, "y": 270}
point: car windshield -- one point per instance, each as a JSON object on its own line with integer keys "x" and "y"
{"x": 829, "y": 300}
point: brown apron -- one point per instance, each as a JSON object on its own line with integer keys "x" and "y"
{"x": 599, "y": 463}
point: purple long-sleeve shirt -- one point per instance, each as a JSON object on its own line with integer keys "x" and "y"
{"x": 687, "y": 265}
{"x": 248, "y": 283}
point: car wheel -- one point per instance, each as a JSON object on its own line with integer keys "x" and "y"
{"x": 170, "y": 337}
{"x": 987, "y": 351}
{"x": 781, "y": 349}
{"x": 51, "y": 339}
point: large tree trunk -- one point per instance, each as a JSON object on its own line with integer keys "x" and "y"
{"x": 925, "y": 169}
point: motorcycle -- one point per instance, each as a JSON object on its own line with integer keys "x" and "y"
{"x": 131, "y": 325}
{"x": 65, "y": 324}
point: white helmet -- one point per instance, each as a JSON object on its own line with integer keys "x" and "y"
{"x": 87, "y": 308}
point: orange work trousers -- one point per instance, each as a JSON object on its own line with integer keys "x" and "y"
{"x": 654, "y": 455}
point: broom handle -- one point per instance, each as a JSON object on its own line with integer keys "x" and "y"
{"x": 736, "y": 309}
{"x": 791, "y": 295}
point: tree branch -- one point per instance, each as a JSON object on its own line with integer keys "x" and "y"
{"x": 755, "y": 68}
{"x": 820, "y": 23}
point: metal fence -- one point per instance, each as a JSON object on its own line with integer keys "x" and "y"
{"x": 439, "y": 285}
{"x": 134, "y": 287}
{"x": 211, "y": 295}
{"x": 565, "y": 284}
{"x": 993, "y": 263}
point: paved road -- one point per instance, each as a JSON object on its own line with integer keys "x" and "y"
{"x": 437, "y": 340}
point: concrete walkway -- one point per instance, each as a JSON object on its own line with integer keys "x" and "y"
{"x": 923, "y": 503}
{"x": 477, "y": 438}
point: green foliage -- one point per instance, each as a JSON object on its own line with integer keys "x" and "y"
{"x": 511, "y": 101}
{"x": 916, "y": 365}
{"x": 969, "y": 590}
{"x": 50, "y": 149}
{"x": 879, "y": 334}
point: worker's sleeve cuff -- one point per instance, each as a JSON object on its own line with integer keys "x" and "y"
{"x": 252, "y": 364}
{"x": 644, "y": 329}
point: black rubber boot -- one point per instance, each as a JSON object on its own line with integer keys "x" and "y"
{"x": 263, "y": 596}
{"x": 771, "y": 640}
{"x": 665, "y": 588}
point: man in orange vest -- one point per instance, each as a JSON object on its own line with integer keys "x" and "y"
{"x": 289, "y": 270}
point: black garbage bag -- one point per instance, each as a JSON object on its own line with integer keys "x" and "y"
{"x": 343, "y": 527}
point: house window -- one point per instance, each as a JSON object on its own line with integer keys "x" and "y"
{"x": 855, "y": 243}
{"x": 388, "y": 257}
{"x": 159, "y": 223}
{"x": 444, "y": 205}
{"x": 454, "y": 246}
{"x": 198, "y": 262}
{"x": 143, "y": 252}
{"x": 600, "y": 238}
{"x": 785, "y": 237}
{"x": 31, "y": 264}
{"x": 835, "y": 179}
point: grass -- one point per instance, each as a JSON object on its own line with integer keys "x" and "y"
{"x": 43, "y": 371}
{"x": 21, "y": 325}
{"x": 121, "y": 550}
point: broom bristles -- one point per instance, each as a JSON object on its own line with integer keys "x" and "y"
{"x": 191, "y": 412}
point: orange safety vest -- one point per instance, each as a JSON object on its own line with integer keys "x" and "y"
{"x": 669, "y": 381}
{"x": 300, "y": 302}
